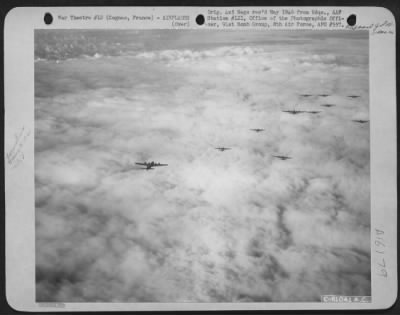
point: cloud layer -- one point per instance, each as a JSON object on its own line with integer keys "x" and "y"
{"x": 213, "y": 226}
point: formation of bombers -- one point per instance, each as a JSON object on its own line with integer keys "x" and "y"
{"x": 152, "y": 164}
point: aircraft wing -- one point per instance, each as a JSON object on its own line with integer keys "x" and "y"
{"x": 141, "y": 164}
{"x": 160, "y": 164}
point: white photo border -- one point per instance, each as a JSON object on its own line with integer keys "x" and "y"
{"x": 20, "y": 24}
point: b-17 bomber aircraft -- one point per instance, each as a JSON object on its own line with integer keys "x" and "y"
{"x": 361, "y": 121}
{"x": 306, "y": 95}
{"x": 150, "y": 165}
{"x": 323, "y": 95}
{"x": 328, "y": 105}
{"x": 257, "y": 129}
{"x": 222, "y": 149}
{"x": 353, "y": 96}
{"x": 294, "y": 111}
{"x": 312, "y": 111}
{"x": 282, "y": 157}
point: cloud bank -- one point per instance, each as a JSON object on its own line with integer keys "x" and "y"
{"x": 233, "y": 226}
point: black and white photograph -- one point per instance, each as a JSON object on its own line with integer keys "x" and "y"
{"x": 202, "y": 166}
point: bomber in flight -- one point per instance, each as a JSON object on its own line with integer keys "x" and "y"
{"x": 257, "y": 129}
{"x": 361, "y": 121}
{"x": 328, "y": 105}
{"x": 282, "y": 157}
{"x": 353, "y": 96}
{"x": 306, "y": 95}
{"x": 222, "y": 149}
{"x": 150, "y": 165}
{"x": 323, "y": 95}
{"x": 312, "y": 111}
{"x": 294, "y": 111}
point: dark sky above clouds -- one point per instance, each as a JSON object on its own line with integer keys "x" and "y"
{"x": 212, "y": 226}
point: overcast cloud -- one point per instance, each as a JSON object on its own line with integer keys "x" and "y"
{"x": 212, "y": 226}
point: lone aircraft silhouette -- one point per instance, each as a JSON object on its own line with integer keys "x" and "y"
{"x": 257, "y": 129}
{"x": 361, "y": 121}
{"x": 222, "y": 149}
{"x": 312, "y": 111}
{"x": 282, "y": 157}
{"x": 328, "y": 105}
{"x": 294, "y": 111}
{"x": 150, "y": 165}
{"x": 353, "y": 96}
{"x": 306, "y": 95}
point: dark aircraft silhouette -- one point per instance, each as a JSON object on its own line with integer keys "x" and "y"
{"x": 294, "y": 111}
{"x": 150, "y": 165}
{"x": 282, "y": 157}
{"x": 353, "y": 96}
{"x": 361, "y": 121}
{"x": 257, "y": 129}
{"x": 306, "y": 95}
{"x": 222, "y": 149}
{"x": 328, "y": 105}
{"x": 323, "y": 95}
{"x": 312, "y": 111}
